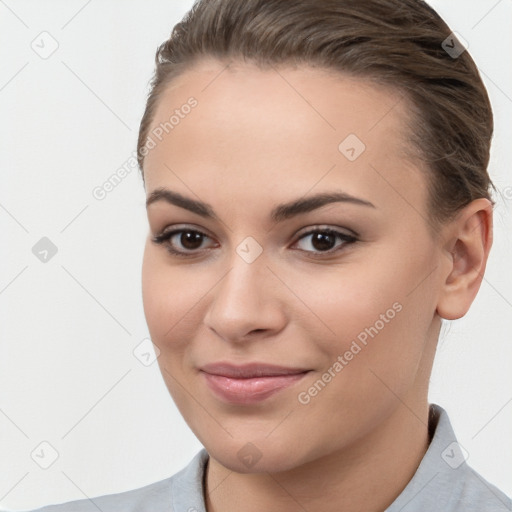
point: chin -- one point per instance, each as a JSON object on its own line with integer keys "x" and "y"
{"x": 268, "y": 463}
{"x": 256, "y": 457}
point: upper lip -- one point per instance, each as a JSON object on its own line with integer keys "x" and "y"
{"x": 249, "y": 370}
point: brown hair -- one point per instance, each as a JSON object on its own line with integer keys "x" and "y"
{"x": 398, "y": 43}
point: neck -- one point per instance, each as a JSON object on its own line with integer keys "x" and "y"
{"x": 368, "y": 475}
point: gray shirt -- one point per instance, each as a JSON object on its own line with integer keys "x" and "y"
{"x": 442, "y": 482}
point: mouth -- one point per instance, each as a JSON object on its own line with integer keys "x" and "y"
{"x": 249, "y": 383}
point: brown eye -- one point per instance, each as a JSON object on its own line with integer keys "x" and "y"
{"x": 182, "y": 242}
{"x": 324, "y": 241}
{"x": 191, "y": 239}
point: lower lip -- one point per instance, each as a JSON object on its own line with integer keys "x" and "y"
{"x": 249, "y": 391}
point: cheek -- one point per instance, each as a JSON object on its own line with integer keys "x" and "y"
{"x": 375, "y": 355}
{"x": 153, "y": 293}
{"x": 373, "y": 312}
{"x": 168, "y": 298}
{"x": 345, "y": 301}
{"x": 169, "y": 295}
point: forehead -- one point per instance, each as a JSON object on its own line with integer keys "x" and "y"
{"x": 255, "y": 128}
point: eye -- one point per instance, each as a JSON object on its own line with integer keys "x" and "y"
{"x": 181, "y": 242}
{"x": 320, "y": 241}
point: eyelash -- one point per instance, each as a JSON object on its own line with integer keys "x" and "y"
{"x": 164, "y": 237}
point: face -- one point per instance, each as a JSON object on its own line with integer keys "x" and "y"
{"x": 299, "y": 239}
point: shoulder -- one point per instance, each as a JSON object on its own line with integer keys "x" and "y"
{"x": 144, "y": 498}
{"x": 444, "y": 481}
{"x": 161, "y": 496}
{"x": 477, "y": 494}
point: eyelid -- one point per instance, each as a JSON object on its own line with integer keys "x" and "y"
{"x": 170, "y": 230}
{"x": 328, "y": 227}
{"x": 164, "y": 236}
{"x": 305, "y": 231}
{"x": 346, "y": 238}
{"x": 167, "y": 233}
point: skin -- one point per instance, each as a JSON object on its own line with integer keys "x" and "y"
{"x": 256, "y": 139}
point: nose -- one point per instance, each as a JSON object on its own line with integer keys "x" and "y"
{"x": 246, "y": 304}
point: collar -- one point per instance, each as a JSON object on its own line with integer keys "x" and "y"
{"x": 443, "y": 480}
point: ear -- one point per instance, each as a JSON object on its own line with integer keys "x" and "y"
{"x": 468, "y": 240}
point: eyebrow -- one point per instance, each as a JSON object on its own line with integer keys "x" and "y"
{"x": 278, "y": 214}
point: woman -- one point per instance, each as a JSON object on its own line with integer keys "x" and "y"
{"x": 318, "y": 202}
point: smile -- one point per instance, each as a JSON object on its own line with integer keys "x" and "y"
{"x": 250, "y": 383}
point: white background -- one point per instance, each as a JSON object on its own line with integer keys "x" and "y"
{"x": 68, "y": 375}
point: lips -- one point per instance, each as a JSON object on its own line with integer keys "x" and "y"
{"x": 249, "y": 383}
{"x": 250, "y": 370}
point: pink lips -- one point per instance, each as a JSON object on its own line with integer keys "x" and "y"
{"x": 249, "y": 383}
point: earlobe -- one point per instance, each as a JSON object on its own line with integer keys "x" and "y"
{"x": 466, "y": 252}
